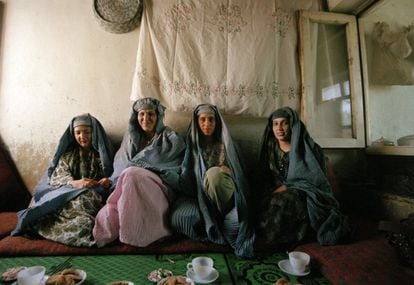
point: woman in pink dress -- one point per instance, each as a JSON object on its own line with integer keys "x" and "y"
{"x": 146, "y": 171}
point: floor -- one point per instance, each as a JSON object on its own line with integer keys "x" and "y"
{"x": 103, "y": 269}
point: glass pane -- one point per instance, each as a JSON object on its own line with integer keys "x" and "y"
{"x": 389, "y": 62}
{"x": 332, "y": 109}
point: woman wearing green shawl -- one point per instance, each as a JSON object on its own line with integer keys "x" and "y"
{"x": 213, "y": 206}
{"x": 296, "y": 198}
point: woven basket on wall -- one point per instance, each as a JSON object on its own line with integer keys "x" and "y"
{"x": 118, "y": 16}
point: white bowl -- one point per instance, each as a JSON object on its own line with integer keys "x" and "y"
{"x": 406, "y": 141}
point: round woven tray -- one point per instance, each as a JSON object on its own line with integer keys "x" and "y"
{"x": 118, "y": 16}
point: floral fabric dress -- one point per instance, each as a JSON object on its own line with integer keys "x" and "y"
{"x": 283, "y": 216}
{"x": 72, "y": 224}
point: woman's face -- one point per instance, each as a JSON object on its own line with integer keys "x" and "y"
{"x": 207, "y": 123}
{"x": 147, "y": 119}
{"x": 83, "y": 136}
{"x": 281, "y": 129}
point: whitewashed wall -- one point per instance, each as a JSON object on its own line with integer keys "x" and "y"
{"x": 57, "y": 62}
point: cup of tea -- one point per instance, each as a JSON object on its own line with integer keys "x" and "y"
{"x": 31, "y": 275}
{"x": 299, "y": 261}
{"x": 202, "y": 266}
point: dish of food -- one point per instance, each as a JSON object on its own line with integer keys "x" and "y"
{"x": 158, "y": 274}
{"x": 11, "y": 273}
{"x": 67, "y": 277}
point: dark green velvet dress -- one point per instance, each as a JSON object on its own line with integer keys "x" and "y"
{"x": 284, "y": 218}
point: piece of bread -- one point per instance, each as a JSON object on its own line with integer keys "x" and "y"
{"x": 59, "y": 279}
{"x": 176, "y": 280}
{"x": 11, "y": 273}
{"x": 66, "y": 277}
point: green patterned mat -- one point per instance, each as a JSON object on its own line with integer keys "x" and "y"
{"x": 265, "y": 271}
{"x": 106, "y": 268}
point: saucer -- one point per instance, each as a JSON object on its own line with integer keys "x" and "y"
{"x": 42, "y": 282}
{"x": 211, "y": 278}
{"x": 82, "y": 274}
{"x": 286, "y": 267}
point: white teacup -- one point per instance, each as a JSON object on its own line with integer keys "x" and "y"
{"x": 31, "y": 275}
{"x": 299, "y": 261}
{"x": 202, "y": 266}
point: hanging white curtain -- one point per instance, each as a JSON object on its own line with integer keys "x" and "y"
{"x": 239, "y": 55}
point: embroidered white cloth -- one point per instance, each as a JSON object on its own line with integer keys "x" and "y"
{"x": 238, "y": 55}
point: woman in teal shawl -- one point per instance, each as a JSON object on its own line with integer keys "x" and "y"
{"x": 73, "y": 188}
{"x": 296, "y": 198}
{"x": 213, "y": 206}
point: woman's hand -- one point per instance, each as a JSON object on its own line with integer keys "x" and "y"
{"x": 105, "y": 182}
{"x": 226, "y": 169}
{"x": 83, "y": 183}
{"x": 281, "y": 188}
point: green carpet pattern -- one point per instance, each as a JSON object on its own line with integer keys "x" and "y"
{"x": 265, "y": 271}
{"x": 102, "y": 269}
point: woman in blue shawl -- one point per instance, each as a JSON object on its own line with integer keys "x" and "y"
{"x": 214, "y": 202}
{"x": 146, "y": 172}
{"x": 71, "y": 192}
{"x": 296, "y": 198}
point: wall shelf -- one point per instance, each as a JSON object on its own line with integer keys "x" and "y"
{"x": 391, "y": 150}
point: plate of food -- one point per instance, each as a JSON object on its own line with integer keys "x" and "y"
{"x": 159, "y": 274}
{"x": 10, "y": 274}
{"x": 66, "y": 277}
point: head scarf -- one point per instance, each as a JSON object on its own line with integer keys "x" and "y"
{"x": 280, "y": 113}
{"x": 134, "y": 128}
{"x": 100, "y": 143}
{"x": 306, "y": 173}
{"x": 205, "y": 109}
{"x": 82, "y": 120}
{"x": 193, "y": 170}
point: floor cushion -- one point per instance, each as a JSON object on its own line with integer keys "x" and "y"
{"x": 367, "y": 261}
{"x": 22, "y": 246}
{"x": 8, "y": 222}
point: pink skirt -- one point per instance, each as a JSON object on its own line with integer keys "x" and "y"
{"x": 136, "y": 212}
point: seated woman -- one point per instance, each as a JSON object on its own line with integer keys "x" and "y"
{"x": 213, "y": 206}
{"x": 295, "y": 197}
{"x": 72, "y": 191}
{"x": 145, "y": 175}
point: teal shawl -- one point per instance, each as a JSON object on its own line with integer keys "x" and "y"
{"x": 193, "y": 170}
{"x": 306, "y": 173}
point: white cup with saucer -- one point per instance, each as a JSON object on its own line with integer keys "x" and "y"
{"x": 299, "y": 261}
{"x": 31, "y": 275}
{"x": 202, "y": 266}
